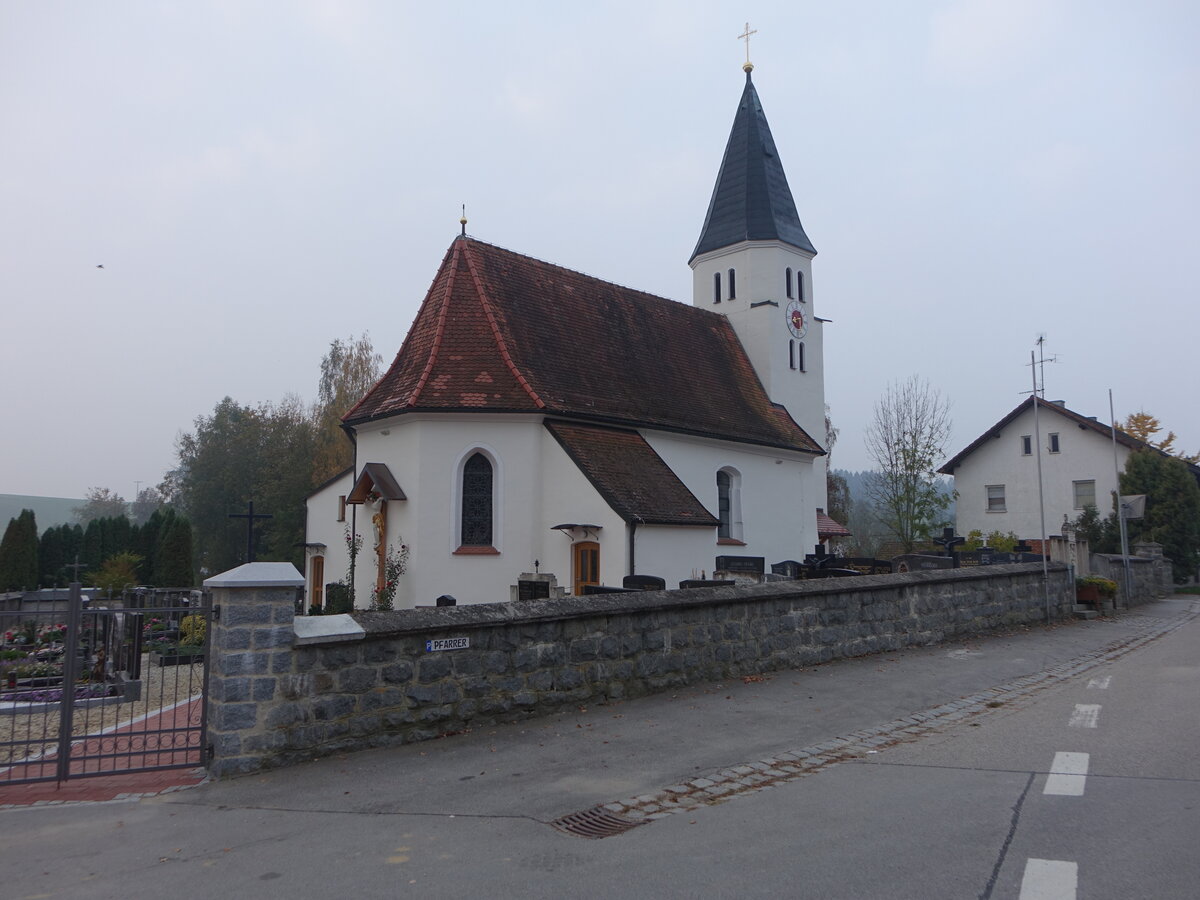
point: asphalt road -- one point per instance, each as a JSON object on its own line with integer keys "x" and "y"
{"x": 917, "y": 774}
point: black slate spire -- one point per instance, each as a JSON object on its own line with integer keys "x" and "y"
{"x": 751, "y": 201}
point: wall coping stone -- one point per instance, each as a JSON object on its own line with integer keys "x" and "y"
{"x": 327, "y": 629}
{"x": 426, "y": 619}
{"x": 258, "y": 575}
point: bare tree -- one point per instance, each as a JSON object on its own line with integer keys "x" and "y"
{"x": 101, "y": 503}
{"x": 907, "y": 438}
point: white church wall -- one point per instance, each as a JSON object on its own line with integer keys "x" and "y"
{"x": 572, "y": 499}
{"x": 321, "y": 525}
{"x": 778, "y": 512}
{"x": 426, "y": 454}
{"x": 1083, "y": 455}
{"x": 674, "y": 553}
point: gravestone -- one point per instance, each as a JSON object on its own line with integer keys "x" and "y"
{"x": 644, "y": 583}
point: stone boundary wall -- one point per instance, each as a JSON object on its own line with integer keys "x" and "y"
{"x": 283, "y": 691}
{"x": 1150, "y": 578}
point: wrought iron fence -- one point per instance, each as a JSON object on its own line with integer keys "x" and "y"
{"x": 100, "y": 689}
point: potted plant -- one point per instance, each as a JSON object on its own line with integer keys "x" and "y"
{"x": 1095, "y": 591}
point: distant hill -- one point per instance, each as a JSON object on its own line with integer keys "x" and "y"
{"x": 47, "y": 511}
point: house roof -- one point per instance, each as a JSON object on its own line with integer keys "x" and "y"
{"x": 751, "y": 200}
{"x": 633, "y": 479}
{"x": 502, "y": 332}
{"x": 829, "y": 527}
{"x": 1056, "y": 407}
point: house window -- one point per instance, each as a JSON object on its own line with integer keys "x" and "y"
{"x": 1054, "y": 442}
{"x": 788, "y": 281}
{"x": 1026, "y": 445}
{"x": 732, "y": 285}
{"x": 341, "y": 508}
{"x": 716, "y": 287}
{"x": 729, "y": 505}
{"x": 995, "y": 498}
{"x": 477, "y": 502}
{"x": 1085, "y": 493}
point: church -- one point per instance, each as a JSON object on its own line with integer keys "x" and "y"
{"x": 538, "y": 420}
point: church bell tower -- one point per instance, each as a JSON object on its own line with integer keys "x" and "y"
{"x": 753, "y": 263}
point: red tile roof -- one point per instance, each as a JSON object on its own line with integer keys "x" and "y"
{"x": 503, "y": 332}
{"x": 829, "y": 527}
{"x": 629, "y": 475}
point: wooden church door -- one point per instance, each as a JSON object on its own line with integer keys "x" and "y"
{"x": 586, "y": 563}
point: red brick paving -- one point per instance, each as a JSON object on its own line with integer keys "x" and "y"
{"x": 136, "y": 750}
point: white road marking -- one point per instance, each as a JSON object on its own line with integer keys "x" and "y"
{"x": 1100, "y": 682}
{"x": 1049, "y": 879}
{"x": 1086, "y": 715}
{"x": 1068, "y": 774}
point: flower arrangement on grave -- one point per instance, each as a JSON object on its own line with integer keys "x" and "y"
{"x": 395, "y": 564}
{"x": 192, "y": 631}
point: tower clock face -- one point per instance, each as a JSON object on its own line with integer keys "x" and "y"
{"x": 797, "y": 321}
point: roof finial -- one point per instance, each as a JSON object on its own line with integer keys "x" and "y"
{"x": 463, "y": 220}
{"x": 749, "y": 66}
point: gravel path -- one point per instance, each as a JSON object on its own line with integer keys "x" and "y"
{"x": 30, "y": 732}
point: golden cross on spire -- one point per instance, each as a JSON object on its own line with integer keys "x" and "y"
{"x": 745, "y": 35}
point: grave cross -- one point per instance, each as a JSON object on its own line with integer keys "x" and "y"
{"x": 77, "y": 565}
{"x": 949, "y": 541}
{"x": 250, "y": 517}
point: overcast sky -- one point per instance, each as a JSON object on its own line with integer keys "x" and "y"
{"x": 258, "y": 178}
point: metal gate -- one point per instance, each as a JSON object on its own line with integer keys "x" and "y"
{"x": 102, "y": 688}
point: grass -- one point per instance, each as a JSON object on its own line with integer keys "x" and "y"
{"x": 1188, "y": 589}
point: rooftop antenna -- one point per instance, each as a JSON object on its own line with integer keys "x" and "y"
{"x": 1040, "y": 363}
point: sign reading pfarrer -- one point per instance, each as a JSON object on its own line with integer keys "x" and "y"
{"x": 461, "y": 643}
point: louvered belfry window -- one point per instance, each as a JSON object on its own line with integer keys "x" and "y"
{"x": 477, "y": 502}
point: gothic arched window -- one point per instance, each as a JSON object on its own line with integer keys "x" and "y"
{"x": 732, "y": 285}
{"x": 788, "y": 282}
{"x": 729, "y": 505}
{"x": 477, "y": 502}
{"x": 716, "y": 287}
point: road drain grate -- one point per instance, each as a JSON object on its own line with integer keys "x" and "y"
{"x": 596, "y": 822}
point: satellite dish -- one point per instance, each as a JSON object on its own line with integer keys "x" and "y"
{"x": 1133, "y": 506}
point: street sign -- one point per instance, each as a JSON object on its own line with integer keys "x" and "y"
{"x": 447, "y": 644}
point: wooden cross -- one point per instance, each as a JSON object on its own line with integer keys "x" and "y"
{"x": 250, "y": 517}
{"x": 745, "y": 35}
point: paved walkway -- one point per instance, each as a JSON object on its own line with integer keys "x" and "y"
{"x": 150, "y": 741}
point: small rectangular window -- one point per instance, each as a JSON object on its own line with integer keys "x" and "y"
{"x": 1026, "y": 445}
{"x": 342, "y": 508}
{"x": 1085, "y": 493}
{"x": 800, "y": 355}
{"x": 716, "y": 287}
{"x": 995, "y": 498}
{"x": 799, "y": 285}
{"x": 1054, "y": 442}
{"x": 792, "y": 354}
{"x": 732, "y": 285}
{"x": 788, "y": 281}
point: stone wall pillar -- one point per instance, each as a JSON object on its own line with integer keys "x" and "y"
{"x": 249, "y": 651}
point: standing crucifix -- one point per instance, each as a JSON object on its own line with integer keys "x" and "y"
{"x": 250, "y": 517}
{"x": 745, "y": 35}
